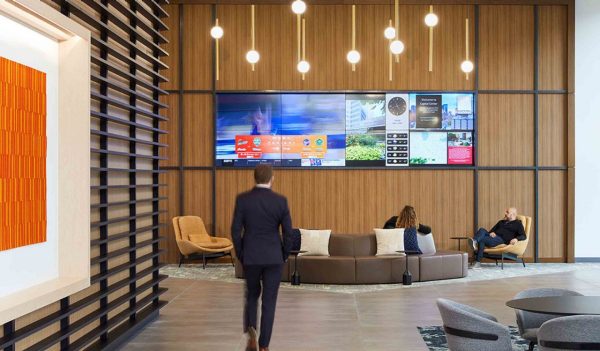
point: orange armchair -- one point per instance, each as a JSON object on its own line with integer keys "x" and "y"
{"x": 194, "y": 242}
{"x": 511, "y": 252}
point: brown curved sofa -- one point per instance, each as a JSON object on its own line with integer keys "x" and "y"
{"x": 352, "y": 260}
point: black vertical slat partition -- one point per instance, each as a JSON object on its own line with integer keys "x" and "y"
{"x": 125, "y": 115}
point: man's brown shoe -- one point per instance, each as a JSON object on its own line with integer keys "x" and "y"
{"x": 252, "y": 344}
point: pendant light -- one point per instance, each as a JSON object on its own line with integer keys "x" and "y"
{"x": 303, "y": 66}
{"x": 217, "y": 33}
{"x": 431, "y": 20}
{"x": 390, "y": 32}
{"x": 252, "y": 56}
{"x": 467, "y": 66}
{"x": 353, "y": 55}
{"x": 396, "y": 45}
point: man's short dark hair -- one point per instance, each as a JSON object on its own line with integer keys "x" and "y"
{"x": 263, "y": 173}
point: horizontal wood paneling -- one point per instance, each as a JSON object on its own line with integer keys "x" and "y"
{"x": 197, "y": 47}
{"x": 553, "y": 214}
{"x": 499, "y": 190}
{"x": 198, "y": 131}
{"x": 553, "y": 49}
{"x": 356, "y": 201}
{"x": 197, "y": 197}
{"x": 171, "y": 206}
{"x": 505, "y": 123}
{"x": 506, "y": 47}
{"x": 172, "y": 47}
{"x": 171, "y": 138}
{"x": 553, "y": 129}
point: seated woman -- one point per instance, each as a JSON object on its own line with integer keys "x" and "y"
{"x": 407, "y": 219}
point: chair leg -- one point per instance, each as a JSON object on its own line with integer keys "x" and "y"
{"x": 531, "y": 345}
{"x": 231, "y": 256}
{"x": 180, "y": 260}
{"x": 203, "y": 261}
{"x": 496, "y": 262}
{"x": 502, "y": 266}
{"x": 523, "y": 261}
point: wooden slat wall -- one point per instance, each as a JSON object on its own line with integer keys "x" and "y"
{"x": 126, "y": 101}
{"x": 355, "y": 201}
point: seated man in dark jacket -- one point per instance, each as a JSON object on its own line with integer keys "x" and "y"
{"x": 507, "y": 231}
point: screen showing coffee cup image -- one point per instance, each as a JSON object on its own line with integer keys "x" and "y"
{"x": 365, "y": 130}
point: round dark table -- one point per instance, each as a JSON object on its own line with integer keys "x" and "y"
{"x": 407, "y": 277}
{"x": 460, "y": 238}
{"x": 295, "y": 280}
{"x": 559, "y": 305}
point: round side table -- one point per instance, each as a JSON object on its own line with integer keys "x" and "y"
{"x": 295, "y": 280}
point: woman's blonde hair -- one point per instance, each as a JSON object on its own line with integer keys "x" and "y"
{"x": 407, "y": 218}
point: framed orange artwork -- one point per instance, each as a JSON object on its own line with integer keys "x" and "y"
{"x": 23, "y": 149}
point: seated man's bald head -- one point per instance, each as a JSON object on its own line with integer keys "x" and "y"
{"x": 510, "y": 213}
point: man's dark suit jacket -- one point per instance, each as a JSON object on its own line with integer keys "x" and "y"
{"x": 259, "y": 213}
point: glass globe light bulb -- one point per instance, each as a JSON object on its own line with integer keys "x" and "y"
{"x": 389, "y": 33}
{"x": 252, "y": 56}
{"x": 396, "y": 47}
{"x": 431, "y": 20}
{"x": 298, "y": 7}
{"x": 467, "y": 66}
{"x": 216, "y": 32}
{"x": 353, "y": 56}
{"x": 303, "y": 66}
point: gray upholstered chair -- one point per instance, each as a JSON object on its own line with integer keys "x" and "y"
{"x": 570, "y": 333}
{"x": 469, "y": 329}
{"x": 529, "y": 322}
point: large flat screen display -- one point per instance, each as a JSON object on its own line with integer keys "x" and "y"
{"x": 337, "y": 130}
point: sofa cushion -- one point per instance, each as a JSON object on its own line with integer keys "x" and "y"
{"x": 341, "y": 245}
{"x": 426, "y": 243}
{"x": 327, "y": 269}
{"x": 389, "y": 241}
{"x": 365, "y": 245}
{"x": 315, "y": 242}
{"x": 410, "y": 240}
{"x": 443, "y": 265}
{"x": 374, "y": 269}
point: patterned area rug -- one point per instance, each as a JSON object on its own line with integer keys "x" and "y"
{"x": 489, "y": 271}
{"x": 435, "y": 338}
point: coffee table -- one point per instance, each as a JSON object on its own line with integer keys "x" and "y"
{"x": 559, "y": 305}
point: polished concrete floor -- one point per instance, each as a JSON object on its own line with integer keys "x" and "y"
{"x": 205, "y": 315}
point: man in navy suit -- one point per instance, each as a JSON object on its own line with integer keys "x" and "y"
{"x": 262, "y": 250}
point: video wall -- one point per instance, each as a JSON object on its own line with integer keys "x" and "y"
{"x": 337, "y": 130}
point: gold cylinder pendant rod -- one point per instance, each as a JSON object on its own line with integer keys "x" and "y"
{"x": 216, "y": 53}
{"x": 430, "y": 43}
{"x": 390, "y": 73}
{"x": 397, "y": 24}
{"x": 353, "y": 33}
{"x": 252, "y": 29}
{"x": 298, "y": 27}
{"x": 303, "y": 43}
{"x": 467, "y": 43}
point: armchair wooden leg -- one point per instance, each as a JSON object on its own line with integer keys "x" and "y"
{"x": 180, "y": 260}
{"x": 231, "y": 256}
{"x": 203, "y": 261}
{"x": 496, "y": 262}
{"x": 502, "y": 264}
{"x": 523, "y": 261}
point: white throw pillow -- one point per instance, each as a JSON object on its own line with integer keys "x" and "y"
{"x": 389, "y": 241}
{"x": 314, "y": 242}
{"x": 426, "y": 243}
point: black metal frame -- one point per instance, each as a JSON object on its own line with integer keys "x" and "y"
{"x": 476, "y": 168}
{"x": 503, "y": 256}
{"x": 204, "y": 256}
{"x": 470, "y": 334}
{"x": 116, "y": 53}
